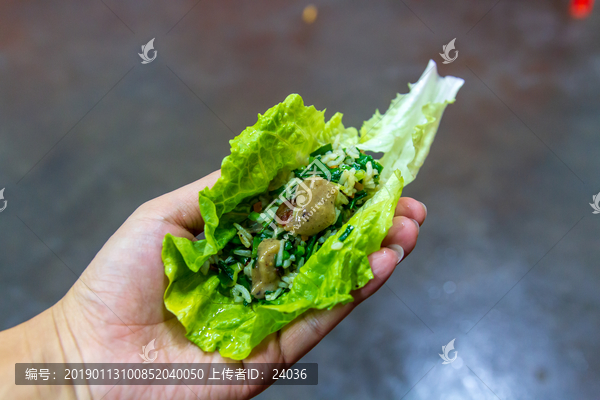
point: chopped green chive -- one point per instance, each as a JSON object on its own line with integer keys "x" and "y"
{"x": 254, "y": 216}
{"x": 278, "y": 191}
{"x": 322, "y": 150}
{"x": 359, "y": 195}
{"x": 315, "y": 249}
{"x": 311, "y": 244}
{"x": 340, "y": 221}
{"x": 255, "y": 242}
{"x": 347, "y": 232}
{"x": 243, "y": 253}
{"x": 288, "y": 246}
{"x": 300, "y": 251}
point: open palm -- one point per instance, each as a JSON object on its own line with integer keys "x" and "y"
{"x": 116, "y": 306}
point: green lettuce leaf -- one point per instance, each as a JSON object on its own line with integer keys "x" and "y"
{"x": 214, "y": 321}
{"x": 407, "y": 129}
{"x": 279, "y": 142}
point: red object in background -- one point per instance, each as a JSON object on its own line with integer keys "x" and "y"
{"x": 581, "y": 8}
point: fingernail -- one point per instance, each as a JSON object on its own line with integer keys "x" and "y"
{"x": 424, "y": 207}
{"x": 417, "y": 224}
{"x": 396, "y": 248}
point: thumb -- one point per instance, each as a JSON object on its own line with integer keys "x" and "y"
{"x": 179, "y": 207}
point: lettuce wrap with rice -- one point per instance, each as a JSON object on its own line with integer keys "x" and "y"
{"x": 298, "y": 208}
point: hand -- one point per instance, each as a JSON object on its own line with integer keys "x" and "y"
{"x": 116, "y": 306}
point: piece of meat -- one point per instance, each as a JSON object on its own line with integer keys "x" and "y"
{"x": 284, "y": 214}
{"x": 264, "y": 274}
{"x": 318, "y": 210}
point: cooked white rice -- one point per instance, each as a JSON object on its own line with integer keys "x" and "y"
{"x": 347, "y": 182}
{"x": 240, "y": 294}
{"x": 337, "y": 245}
{"x": 334, "y": 158}
{"x": 248, "y": 269}
{"x": 352, "y": 152}
{"x": 274, "y": 295}
{"x": 368, "y": 181}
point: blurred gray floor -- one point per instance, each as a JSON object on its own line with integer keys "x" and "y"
{"x": 507, "y": 262}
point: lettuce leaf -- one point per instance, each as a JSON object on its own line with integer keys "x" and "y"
{"x": 214, "y": 321}
{"x": 407, "y": 129}
{"x": 279, "y": 142}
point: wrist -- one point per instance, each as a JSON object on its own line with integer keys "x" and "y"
{"x": 42, "y": 339}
